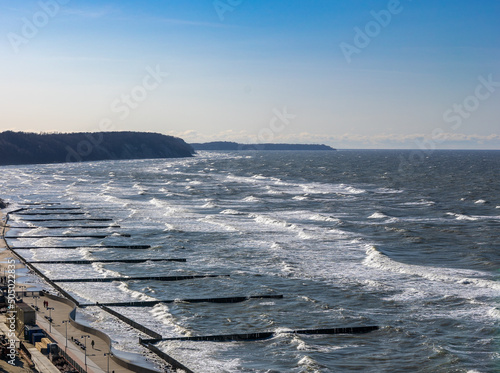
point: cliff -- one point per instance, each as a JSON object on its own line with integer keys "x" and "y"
{"x": 31, "y": 148}
{"x": 226, "y": 145}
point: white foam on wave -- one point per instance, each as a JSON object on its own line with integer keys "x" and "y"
{"x": 270, "y": 190}
{"x": 480, "y": 202}
{"x": 31, "y": 232}
{"x": 86, "y": 253}
{"x": 99, "y": 268}
{"x": 259, "y": 177}
{"x": 161, "y": 312}
{"x": 387, "y": 191}
{"x": 319, "y": 217}
{"x": 299, "y": 343}
{"x": 377, "y": 215}
{"x": 209, "y": 205}
{"x": 462, "y": 216}
{"x": 170, "y": 228}
{"x": 494, "y": 313}
{"x": 231, "y": 212}
{"x": 422, "y": 202}
{"x": 353, "y": 190}
{"x": 133, "y": 293}
{"x": 276, "y": 246}
{"x": 376, "y": 259}
{"x": 158, "y": 202}
{"x": 203, "y": 357}
{"x": 309, "y": 364}
{"x": 164, "y": 207}
{"x": 267, "y": 220}
{"x": 251, "y": 199}
{"x": 323, "y": 188}
{"x": 212, "y": 219}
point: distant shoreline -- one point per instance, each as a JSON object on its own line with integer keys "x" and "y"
{"x": 234, "y": 146}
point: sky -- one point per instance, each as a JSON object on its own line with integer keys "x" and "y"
{"x": 403, "y": 74}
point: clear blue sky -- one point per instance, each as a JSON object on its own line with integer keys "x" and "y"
{"x": 254, "y": 71}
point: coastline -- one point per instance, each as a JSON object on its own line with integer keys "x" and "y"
{"x": 61, "y": 312}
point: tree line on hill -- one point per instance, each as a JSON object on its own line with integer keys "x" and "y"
{"x": 31, "y": 148}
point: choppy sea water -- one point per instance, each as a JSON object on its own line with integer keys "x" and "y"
{"x": 349, "y": 238}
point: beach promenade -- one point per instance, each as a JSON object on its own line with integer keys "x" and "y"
{"x": 95, "y": 358}
{"x": 88, "y": 350}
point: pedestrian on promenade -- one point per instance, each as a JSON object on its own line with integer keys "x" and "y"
{"x": 92, "y": 344}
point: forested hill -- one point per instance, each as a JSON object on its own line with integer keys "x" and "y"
{"x": 31, "y": 148}
{"x": 227, "y": 145}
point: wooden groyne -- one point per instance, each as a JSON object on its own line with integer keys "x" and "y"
{"x": 266, "y": 335}
{"x": 169, "y": 359}
{"x": 133, "y": 247}
{"x": 350, "y": 330}
{"x": 71, "y": 226}
{"x": 108, "y": 261}
{"x": 246, "y": 337}
{"x": 76, "y": 219}
{"x": 39, "y": 203}
{"x": 131, "y": 322}
{"x": 141, "y": 278}
{"x": 152, "y": 303}
{"x": 50, "y": 213}
{"x": 62, "y": 208}
{"x": 68, "y": 236}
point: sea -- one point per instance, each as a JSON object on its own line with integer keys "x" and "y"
{"x": 404, "y": 240}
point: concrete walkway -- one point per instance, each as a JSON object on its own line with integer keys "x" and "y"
{"x": 97, "y": 362}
